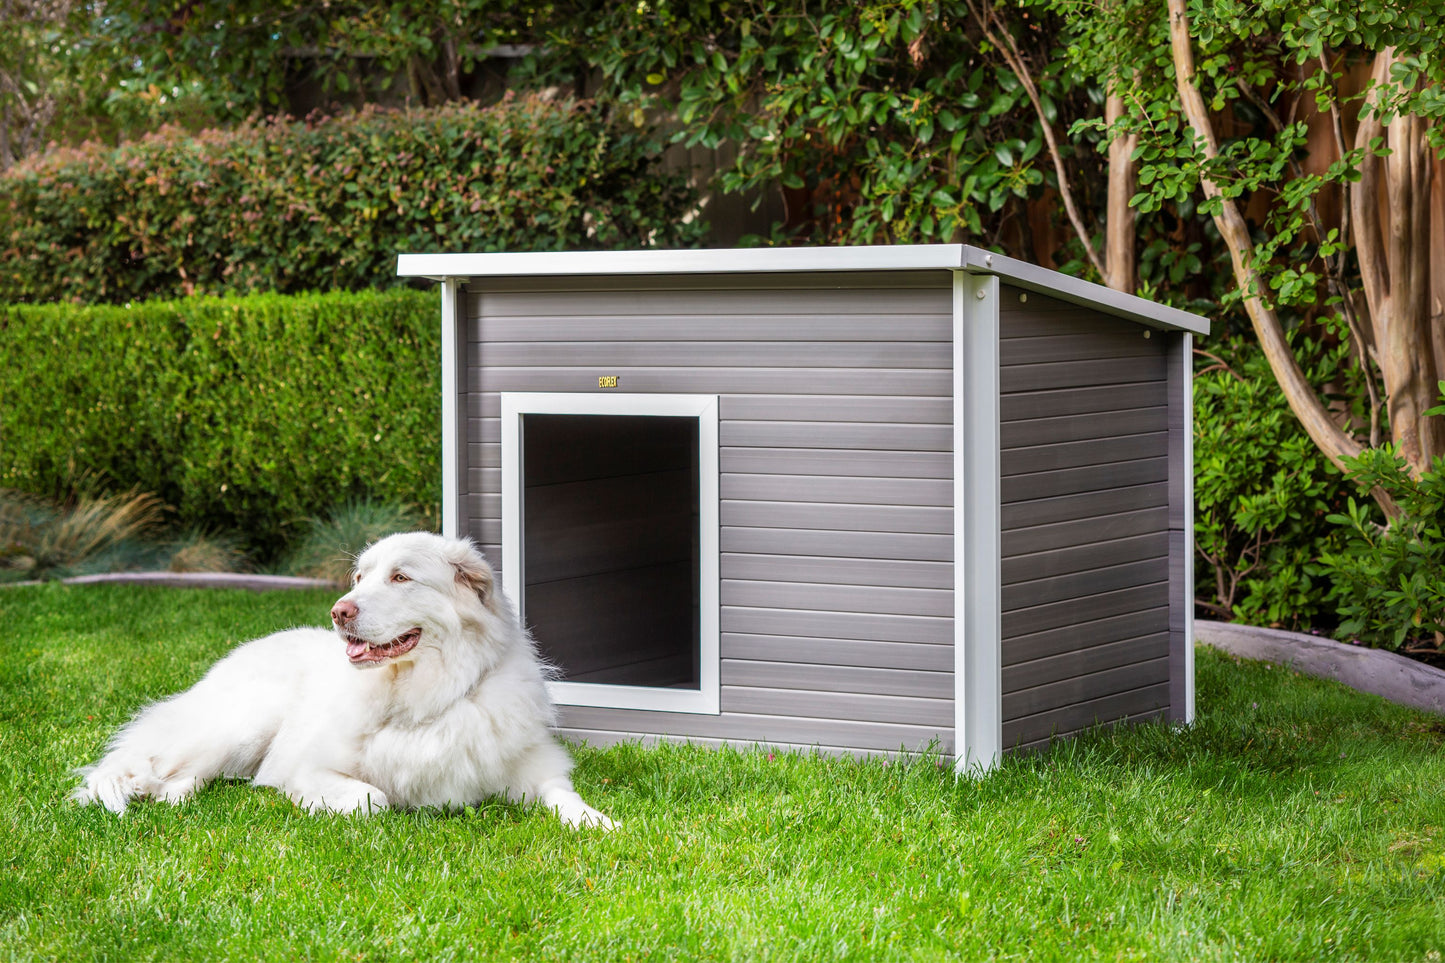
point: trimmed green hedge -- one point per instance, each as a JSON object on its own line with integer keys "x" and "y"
{"x": 288, "y": 206}
{"x": 245, "y": 413}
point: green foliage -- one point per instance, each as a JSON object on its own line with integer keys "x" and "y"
{"x": 1389, "y": 580}
{"x": 1278, "y": 71}
{"x": 1263, "y": 495}
{"x": 288, "y": 206}
{"x": 245, "y": 414}
{"x": 237, "y": 58}
{"x": 887, "y": 119}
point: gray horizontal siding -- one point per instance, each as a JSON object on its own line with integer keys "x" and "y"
{"x": 1066, "y": 559}
{"x": 1133, "y": 704}
{"x": 602, "y": 738}
{"x": 828, "y": 544}
{"x": 859, "y": 464}
{"x": 700, "y": 379}
{"x": 1122, "y": 500}
{"x": 1084, "y": 635}
{"x": 838, "y": 571}
{"x": 1085, "y": 685}
{"x": 1025, "y": 404}
{"x": 1079, "y": 662}
{"x": 784, "y": 407}
{"x": 860, "y": 653}
{"x": 1090, "y": 534}
{"x": 1085, "y": 424}
{"x": 654, "y": 328}
{"x": 816, "y": 434}
{"x": 839, "y": 625}
{"x": 1076, "y": 454}
{"x": 900, "y": 411}
{"x": 871, "y": 599}
{"x": 739, "y": 728}
{"x": 1091, "y": 373}
{"x": 849, "y": 490}
{"x": 710, "y": 354}
{"x": 835, "y": 459}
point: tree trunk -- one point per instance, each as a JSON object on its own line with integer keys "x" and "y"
{"x": 1331, "y": 440}
{"x": 1119, "y": 256}
{"x": 1392, "y": 241}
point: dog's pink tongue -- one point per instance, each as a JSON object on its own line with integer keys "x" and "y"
{"x": 356, "y": 650}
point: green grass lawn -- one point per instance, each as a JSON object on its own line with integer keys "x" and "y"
{"x": 1296, "y": 820}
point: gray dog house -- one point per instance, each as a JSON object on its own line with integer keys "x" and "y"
{"x": 860, "y": 499}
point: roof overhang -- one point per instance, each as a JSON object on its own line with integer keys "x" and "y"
{"x": 780, "y": 260}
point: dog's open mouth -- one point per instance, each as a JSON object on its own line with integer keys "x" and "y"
{"x": 360, "y": 651}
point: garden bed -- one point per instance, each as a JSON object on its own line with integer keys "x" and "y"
{"x": 1376, "y": 671}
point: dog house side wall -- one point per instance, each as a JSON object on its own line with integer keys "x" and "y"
{"x": 835, "y": 423}
{"x": 1088, "y": 457}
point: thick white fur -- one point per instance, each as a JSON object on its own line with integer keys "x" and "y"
{"x": 462, "y": 716}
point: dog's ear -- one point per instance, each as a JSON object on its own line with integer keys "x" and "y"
{"x": 472, "y": 569}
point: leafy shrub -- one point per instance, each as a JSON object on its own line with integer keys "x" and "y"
{"x": 1389, "y": 580}
{"x": 1263, "y": 496}
{"x": 285, "y": 205}
{"x": 245, "y": 414}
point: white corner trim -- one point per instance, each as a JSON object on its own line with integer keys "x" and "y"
{"x": 1188, "y": 409}
{"x": 706, "y": 698}
{"x": 978, "y": 673}
{"x": 451, "y": 417}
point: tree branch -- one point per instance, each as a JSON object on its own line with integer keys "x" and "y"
{"x": 1332, "y": 441}
{"x": 987, "y": 19}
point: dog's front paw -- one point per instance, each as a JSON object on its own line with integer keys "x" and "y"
{"x": 350, "y": 801}
{"x": 582, "y": 816}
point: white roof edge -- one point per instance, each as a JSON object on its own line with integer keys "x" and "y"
{"x": 901, "y": 257}
{"x": 1066, "y": 287}
{"x": 765, "y": 260}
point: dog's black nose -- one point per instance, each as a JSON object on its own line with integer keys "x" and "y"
{"x": 343, "y": 611}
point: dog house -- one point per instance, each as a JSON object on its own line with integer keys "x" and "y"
{"x": 861, "y": 499}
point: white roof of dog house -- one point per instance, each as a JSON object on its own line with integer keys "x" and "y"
{"x": 904, "y": 257}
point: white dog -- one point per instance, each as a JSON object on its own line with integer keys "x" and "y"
{"x": 428, "y": 693}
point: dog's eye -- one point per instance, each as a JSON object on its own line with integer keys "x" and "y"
{"x": 399, "y": 577}
{"x": 356, "y": 578}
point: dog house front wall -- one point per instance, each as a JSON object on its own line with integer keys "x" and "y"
{"x": 953, "y": 498}
{"x": 835, "y": 467}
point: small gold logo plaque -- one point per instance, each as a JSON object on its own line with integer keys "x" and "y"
{"x": 607, "y": 381}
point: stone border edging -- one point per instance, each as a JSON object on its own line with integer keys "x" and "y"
{"x": 234, "y": 580}
{"x": 1376, "y": 671}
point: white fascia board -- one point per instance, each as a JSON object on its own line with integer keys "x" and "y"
{"x": 775, "y": 260}
{"x": 1066, "y": 287}
{"x": 756, "y": 260}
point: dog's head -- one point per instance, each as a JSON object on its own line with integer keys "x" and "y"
{"x": 413, "y": 592}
